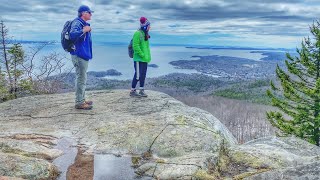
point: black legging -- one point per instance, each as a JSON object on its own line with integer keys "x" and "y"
{"x": 142, "y": 69}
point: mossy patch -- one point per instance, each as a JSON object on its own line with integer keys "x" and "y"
{"x": 7, "y": 149}
{"x": 239, "y": 165}
{"x": 160, "y": 161}
{"x": 248, "y": 174}
{"x": 252, "y": 160}
{"x": 181, "y": 119}
{"x": 203, "y": 175}
{"x": 235, "y": 165}
{"x": 135, "y": 161}
{"x": 102, "y": 131}
{"x": 168, "y": 152}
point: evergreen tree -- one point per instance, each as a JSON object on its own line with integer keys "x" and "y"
{"x": 20, "y": 83}
{"x": 3, "y": 88}
{"x": 298, "y": 96}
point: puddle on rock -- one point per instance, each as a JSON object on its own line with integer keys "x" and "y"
{"x": 107, "y": 166}
{"x": 82, "y": 168}
{"x": 67, "y": 145}
{"x": 74, "y": 165}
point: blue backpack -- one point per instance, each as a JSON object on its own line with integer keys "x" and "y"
{"x": 130, "y": 47}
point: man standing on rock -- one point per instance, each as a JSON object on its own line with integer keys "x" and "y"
{"x": 80, "y": 33}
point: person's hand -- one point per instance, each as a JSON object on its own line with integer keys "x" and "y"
{"x": 86, "y": 29}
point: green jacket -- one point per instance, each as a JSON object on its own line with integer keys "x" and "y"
{"x": 141, "y": 49}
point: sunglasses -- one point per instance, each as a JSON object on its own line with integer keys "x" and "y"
{"x": 87, "y": 12}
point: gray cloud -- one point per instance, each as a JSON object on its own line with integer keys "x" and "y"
{"x": 207, "y": 10}
{"x": 234, "y": 17}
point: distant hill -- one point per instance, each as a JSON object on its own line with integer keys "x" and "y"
{"x": 237, "y": 48}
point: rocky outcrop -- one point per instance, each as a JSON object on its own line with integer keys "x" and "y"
{"x": 307, "y": 171}
{"x": 170, "y": 132}
{"x": 166, "y": 139}
{"x": 272, "y": 152}
{"x": 259, "y": 159}
{"x": 13, "y": 165}
{"x": 28, "y": 148}
{"x": 25, "y": 156}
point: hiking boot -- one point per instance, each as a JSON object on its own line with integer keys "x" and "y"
{"x": 89, "y": 102}
{"x": 142, "y": 93}
{"x": 83, "y": 106}
{"x": 133, "y": 93}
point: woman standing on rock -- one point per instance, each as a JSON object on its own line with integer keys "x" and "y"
{"x": 141, "y": 57}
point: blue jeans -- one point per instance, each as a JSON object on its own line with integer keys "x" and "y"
{"x": 81, "y": 67}
{"x": 139, "y": 74}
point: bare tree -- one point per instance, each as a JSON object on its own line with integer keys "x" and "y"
{"x": 46, "y": 72}
{"x": 49, "y": 74}
{"x": 245, "y": 120}
{"x": 30, "y": 57}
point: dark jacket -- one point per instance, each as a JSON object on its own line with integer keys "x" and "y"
{"x": 83, "y": 42}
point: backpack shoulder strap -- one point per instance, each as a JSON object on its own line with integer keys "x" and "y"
{"x": 76, "y": 19}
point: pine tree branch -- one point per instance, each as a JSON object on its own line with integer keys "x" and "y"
{"x": 289, "y": 88}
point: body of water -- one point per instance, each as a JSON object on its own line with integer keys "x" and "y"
{"x": 107, "y": 56}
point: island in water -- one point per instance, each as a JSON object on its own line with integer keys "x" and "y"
{"x": 110, "y": 72}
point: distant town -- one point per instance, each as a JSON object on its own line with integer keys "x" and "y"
{"x": 234, "y": 67}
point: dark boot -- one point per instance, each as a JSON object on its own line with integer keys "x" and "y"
{"x": 142, "y": 93}
{"x": 133, "y": 93}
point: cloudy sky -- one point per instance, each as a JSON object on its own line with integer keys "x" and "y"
{"x": 254, "y": 23}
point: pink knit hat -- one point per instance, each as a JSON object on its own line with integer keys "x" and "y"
{"x": 144, "y": 22}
